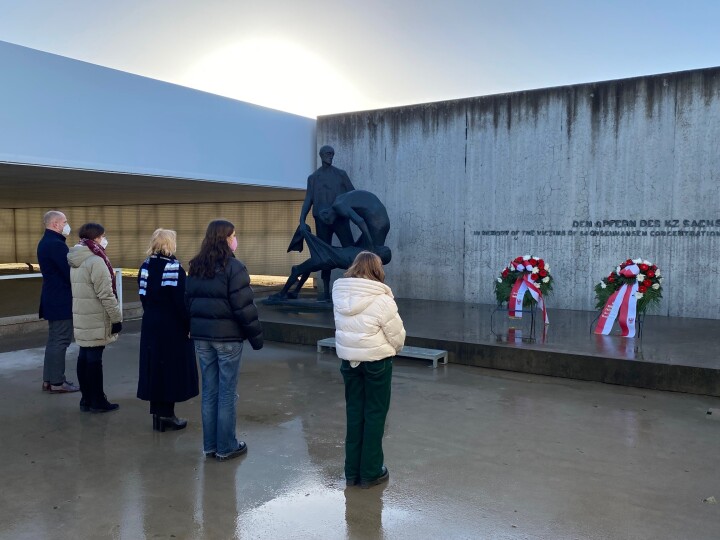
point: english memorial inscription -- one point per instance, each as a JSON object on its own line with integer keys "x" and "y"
{"x": 698, "y": 228}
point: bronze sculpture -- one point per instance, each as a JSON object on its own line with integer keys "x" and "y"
{"x": 362, "y": 208}
{"x": 323, "y": 186}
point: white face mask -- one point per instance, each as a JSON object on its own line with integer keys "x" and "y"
{"x": 103, "y": 243}
{"x": 66, "y": 230}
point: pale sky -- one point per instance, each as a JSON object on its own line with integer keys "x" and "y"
{"x": 313, "y": 57}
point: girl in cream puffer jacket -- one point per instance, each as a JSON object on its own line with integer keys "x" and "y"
{"x": 367, "y": 324}
{"x": 368, "y": 333}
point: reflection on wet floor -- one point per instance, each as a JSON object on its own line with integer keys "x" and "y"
{"x": 472, "y": 453}
{"x": 666, "y": 340}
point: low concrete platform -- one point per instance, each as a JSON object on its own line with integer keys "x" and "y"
{"x": 472, "y": 453}
{"x": 675, "y": 354}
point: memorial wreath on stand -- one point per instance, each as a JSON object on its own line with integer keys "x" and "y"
{"x": 629, "y": 290}
{"x": 524, "y": 283}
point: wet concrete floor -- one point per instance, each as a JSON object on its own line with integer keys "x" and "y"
{"x": 472, "y": 453}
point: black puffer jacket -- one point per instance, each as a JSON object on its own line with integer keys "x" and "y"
{"x": 222, "y": 308}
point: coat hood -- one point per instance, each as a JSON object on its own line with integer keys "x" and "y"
{"x": 353, "y": 295}
{"x": 79, "y": 254}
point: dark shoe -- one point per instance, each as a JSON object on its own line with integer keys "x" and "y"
{"x": 46, "y": 386}
{"x": 65, "y": 388}
{"x": 171, "y": 423}
{"x": 379, "y": 480}
{"x": 103, "y": 406}
{"x": 84, "y": 407}
{"x": 350, "y": 482}
{"x": 209, "y": 455}
{"x": 241, "y": 449}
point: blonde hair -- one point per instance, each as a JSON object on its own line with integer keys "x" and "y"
{"x": 163, "y": 241}
{"x": 367, "y": 265}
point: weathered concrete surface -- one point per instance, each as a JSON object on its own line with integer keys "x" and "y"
{"x": 472, "y": 454}
{"x": 470, "y": 184}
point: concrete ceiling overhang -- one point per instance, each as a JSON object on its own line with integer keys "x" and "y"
{"x": 29, "y": 186}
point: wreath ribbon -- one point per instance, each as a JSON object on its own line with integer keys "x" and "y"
{"x": 622, "y": 305}
{"x": 522, "y": 285}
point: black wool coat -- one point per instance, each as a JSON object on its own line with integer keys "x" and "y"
{"x": 222, "y": 308}
{"x": 56, "y": 295}
{"x": 168, "y": 371}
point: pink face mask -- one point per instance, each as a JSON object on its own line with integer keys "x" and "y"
{"x": 233, "y": 244}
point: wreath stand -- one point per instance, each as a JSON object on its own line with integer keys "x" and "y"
{"x": 640, "y": 325}
{"x": 503, "y": 307}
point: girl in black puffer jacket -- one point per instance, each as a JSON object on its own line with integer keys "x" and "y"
{"x": 222, "y": 315}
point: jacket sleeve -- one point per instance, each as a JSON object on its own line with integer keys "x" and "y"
{"x": 58, "y": 253}
{"x": 181, "y": 309}
{"x": 102, "y": 284}
{"x": 240, "y": 296}
{"x": 139, "y": 278}
{"x": 392, "y": 325}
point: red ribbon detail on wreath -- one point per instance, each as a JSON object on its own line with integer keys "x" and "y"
{"x": 522, "y": 285}
{"x": 621, "y": 305}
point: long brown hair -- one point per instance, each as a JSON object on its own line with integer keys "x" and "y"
{"x": 367, "y": 265}
{"x": 214, "y": 250}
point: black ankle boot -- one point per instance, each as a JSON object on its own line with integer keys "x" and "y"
{"x": 103, "y": 405}
{"x": 98, "y": 399}
{"x": 168, "y": 423}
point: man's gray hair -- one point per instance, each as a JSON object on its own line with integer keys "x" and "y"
{"x": 51, "y": 216}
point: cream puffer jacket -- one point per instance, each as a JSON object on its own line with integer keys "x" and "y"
{"x": 94, "y": 305}
{"x": 367, "y": 323}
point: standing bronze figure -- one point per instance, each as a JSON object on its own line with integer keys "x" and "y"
{"x": 323, "y": 187}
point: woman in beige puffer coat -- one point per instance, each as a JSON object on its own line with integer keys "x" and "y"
{"x": 97, "y": 315}
{"x": 368, "y": 333}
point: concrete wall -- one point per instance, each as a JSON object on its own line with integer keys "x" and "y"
{"x": 584, "y": 176}
{"x": 60, "y": 112}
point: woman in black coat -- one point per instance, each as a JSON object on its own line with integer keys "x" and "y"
{"x": 168, "y": 373}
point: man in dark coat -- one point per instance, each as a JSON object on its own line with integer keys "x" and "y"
{"x": 56, "y": 301}
{"x": 323, "y": 187}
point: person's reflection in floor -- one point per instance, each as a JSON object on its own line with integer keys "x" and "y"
{"x": 363, "y": 512}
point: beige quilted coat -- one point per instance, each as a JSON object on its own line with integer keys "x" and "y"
{"x": 94, "y": 307}
{"x": 367, "y": 324}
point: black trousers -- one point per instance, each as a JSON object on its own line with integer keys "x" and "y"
{"x": 90, "y": 375}
{"x": 162, "y": 408}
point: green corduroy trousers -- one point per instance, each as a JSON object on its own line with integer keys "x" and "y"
{"x": 367, "y": 400}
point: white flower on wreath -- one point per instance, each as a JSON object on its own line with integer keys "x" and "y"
{"x": 546, "y": 279}
{"x": 526, "y": 257}
{"x": 603, "y": 285}
{"x": 535, "y": 270}
{"x": 639, "y": 295}
{"x": 657, "y": 273}
{"x": 547, "y": 268}
{"x": 647, "y": 262}
{"x": 656, "y": 286}
{"x": 640, "y": 277}
{"x": 637, "y": 261}
{"x": 499, "y": 280}
{"x": 660, "y": 280}
{"x": 617, "y": 270}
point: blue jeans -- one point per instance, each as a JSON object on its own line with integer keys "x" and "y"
{"x": 219, "y": 366}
